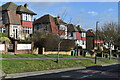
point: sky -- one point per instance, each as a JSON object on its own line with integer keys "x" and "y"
{"x": 78, "y": 13}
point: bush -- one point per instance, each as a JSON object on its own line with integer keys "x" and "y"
{"x": 24, "y": 41}
{"x": 51, "y": 44}
{"x": 3, "y": 34}
{"x": 5, "y": 39}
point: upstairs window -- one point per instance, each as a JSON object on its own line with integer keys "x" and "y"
{"x": 83, "y": 35}
{"x": 26, "y": 17}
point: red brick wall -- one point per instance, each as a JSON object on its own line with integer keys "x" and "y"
{"x": 54, "y": 27}
{"x": 23, "y": 51}
{"x": 98, "y": 41}
{"x": 78, "y": 35}
{"x": 2, "y": 52}
{"x": 19, "y": 16}
{"x": 27, "y": 24}
{"x": 83, "y": 38}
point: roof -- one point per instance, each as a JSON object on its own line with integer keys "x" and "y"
{"x": 45, "y": 19}
{"x": 13, "y": 6}
{"x": 59, "y": 21}
{"x": 91, "y": 32}
{"x": 80, "y": 29}
{"x": 71, "y": 28}
{"x": 12, "y": 18}
{"x": 9, "y": 6}
{"x": 23, "y": 9}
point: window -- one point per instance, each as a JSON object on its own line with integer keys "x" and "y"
{"x": 2, "y": 29}
{"x": 83, "y": 42}
{"x": 83, "y": 35}
{"x": 27, "y": 30}
{"x": 45, "y": 28}
{"x": 26, "y": 17}
{"x": 71, "y": 34}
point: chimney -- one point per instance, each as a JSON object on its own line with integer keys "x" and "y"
{"x": 58, "y": 17}
{"x": 34, "y": 19}
{"x": 26, "y": 5}
{"x": 78, "y": 26}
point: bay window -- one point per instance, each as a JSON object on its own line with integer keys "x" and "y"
{"x": 27, "y": 30}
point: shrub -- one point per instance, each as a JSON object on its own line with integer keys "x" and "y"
{"x": 3, "y": 34}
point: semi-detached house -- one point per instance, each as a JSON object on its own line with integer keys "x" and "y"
{"x": 48, "y": 23}
{"x": 78, "y": 34}
{"x": 17, "y": 20}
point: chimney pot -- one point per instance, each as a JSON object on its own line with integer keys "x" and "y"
{"x": 26, "y": 5}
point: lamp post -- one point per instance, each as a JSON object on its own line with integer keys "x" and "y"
{"x": 97, "y": 22}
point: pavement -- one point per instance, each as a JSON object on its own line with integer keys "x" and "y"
{"x": 57, "y": 72}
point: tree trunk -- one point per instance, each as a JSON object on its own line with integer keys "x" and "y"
{"x": 110, "y": 53}
{"x": 102, "y": 54}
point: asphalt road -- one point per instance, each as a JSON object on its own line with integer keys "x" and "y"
{"x": 111, "y": 72}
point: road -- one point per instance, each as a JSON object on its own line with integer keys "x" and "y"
{"x": 111, "y": 72}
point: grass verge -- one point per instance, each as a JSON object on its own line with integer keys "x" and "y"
{"x": 18, "y": 66}
{"x": 106, "y": 60}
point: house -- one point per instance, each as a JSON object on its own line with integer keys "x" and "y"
{"x": 81, "y": 37}
{"x": 62, "y": 27}
{"x": 17, "y": 20}
{"x": 91, "y": 40}
{"x": 71, "y": 31}
{"x": 48, "y": 23}
{"x": 78, "y": 34}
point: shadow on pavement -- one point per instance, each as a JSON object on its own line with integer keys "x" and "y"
{"x": 79, "y": 74}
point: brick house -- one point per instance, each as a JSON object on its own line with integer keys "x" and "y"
{"x": 48, "y": 23}
{"x": 78, "y": 34}
{"x": 17, "y": 20}
{"x": 71, "y": 32}
{"x": 81, "y": 37}
{"x": 91, "y": 39}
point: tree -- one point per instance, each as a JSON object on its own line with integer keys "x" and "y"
{"x": 44, "y": 39}
{"x": 109, "y": 34}
{"x": 5, "y": 39}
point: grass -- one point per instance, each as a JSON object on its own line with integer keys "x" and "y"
{"x": 106, "y": 60}
{"x": 18, "y": 66}
{"x": 36, "y": 56}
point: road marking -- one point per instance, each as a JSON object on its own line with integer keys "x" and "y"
{"x": 65, "y": 76}
{"x": 85, "y": 76}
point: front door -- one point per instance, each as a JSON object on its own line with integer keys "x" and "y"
{"x": 15, "y": 31}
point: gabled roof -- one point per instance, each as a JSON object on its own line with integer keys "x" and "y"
{"x": 71, "y": 28}
{"x": 45, "y": 19}
{"x": 80, "y": 29}
{"x": 23, "y": 9}
{"x": 9, "y": 6}
{"x": 13, "y": 6}
{"x": 59, "y": 21}
{"x": 91, "y": 32}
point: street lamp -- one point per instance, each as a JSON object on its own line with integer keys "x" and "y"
{"x": 97, "y": 22}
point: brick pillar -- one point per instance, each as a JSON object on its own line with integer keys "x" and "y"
{"x": 32, "y": 47}
{"x": 43, "y": 51}
{"x": 15, "y": 47}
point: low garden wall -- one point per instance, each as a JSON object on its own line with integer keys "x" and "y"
{"x": 56, "y": 52}
{"x": 23, "y": 49}
{"x": 2, "y": 48}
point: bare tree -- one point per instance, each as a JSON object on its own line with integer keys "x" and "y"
{"x": 109, "y": 34}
